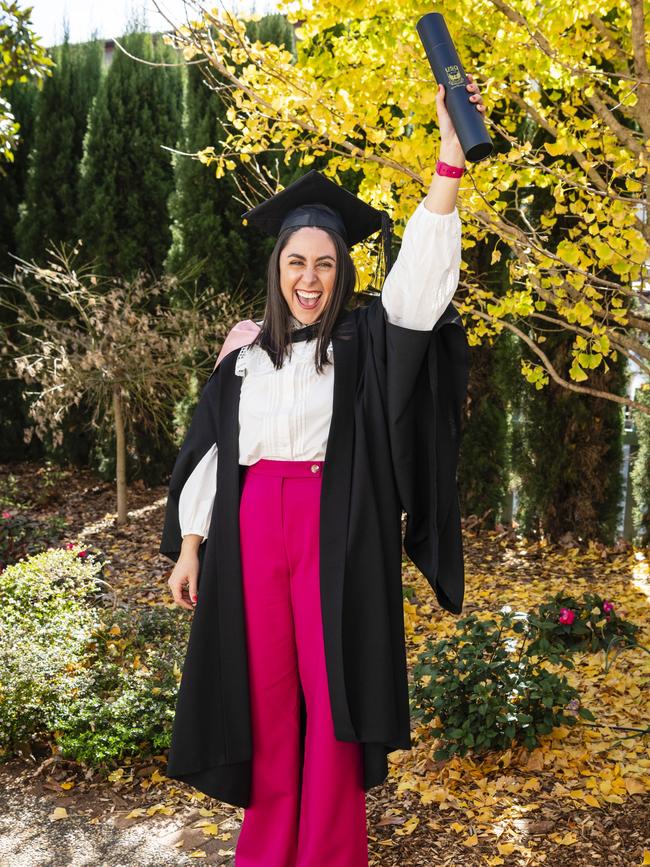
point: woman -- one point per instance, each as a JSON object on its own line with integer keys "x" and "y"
{"x": 284, "y": 519}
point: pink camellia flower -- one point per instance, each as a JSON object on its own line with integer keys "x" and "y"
{"x": 567, "y": 616}
{"x": 69, "y": 546}
{"x": 6, "y": 514}
{"x": 608, "y": 606}
{"x": 82, "y": 554}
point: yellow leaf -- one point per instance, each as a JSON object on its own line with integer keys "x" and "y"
{"x": 589, "y": 799}
{"x": 556, "y": 148}
{"x": 646, "y": 856}
{"x": 59, "y": 813}
{"x": 536, "y": 761}
{"x": 408, "y": 827}
{"x": 634, "y": 786}
{"x": 568, "y": 251}
{"x": 198, "y": 853}
{"x": 577, "y": 373}
{"x": 457, "y": 827}
{"x": 506, "y": 848}
{"x": 67, "y": 785}
{"x": 471, "y": 841}
{"x": 567, "y": 840}
{"x": 160, "y": 808}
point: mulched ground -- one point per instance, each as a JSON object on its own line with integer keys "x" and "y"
{"x": 143, "y": 819}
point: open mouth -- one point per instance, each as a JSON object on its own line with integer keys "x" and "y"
{"x": 308, "y": 300}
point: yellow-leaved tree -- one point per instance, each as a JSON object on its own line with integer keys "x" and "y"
{"x": 567, "y": 91}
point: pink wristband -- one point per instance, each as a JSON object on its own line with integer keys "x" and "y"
{"x": 448, "y": 171}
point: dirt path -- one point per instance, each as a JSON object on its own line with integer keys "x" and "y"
{"x": 95, "y": 832}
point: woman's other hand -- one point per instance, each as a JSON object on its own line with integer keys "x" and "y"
{"x": 184, "y": 580}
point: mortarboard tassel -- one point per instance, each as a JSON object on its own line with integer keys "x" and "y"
{"x": 387, "y": 241}
{"x": 384, "y": 256}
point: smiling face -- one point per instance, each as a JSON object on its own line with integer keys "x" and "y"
{"x": 308, "y": 273}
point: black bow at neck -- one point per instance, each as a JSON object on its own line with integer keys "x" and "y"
{"x": 302, "y": 332}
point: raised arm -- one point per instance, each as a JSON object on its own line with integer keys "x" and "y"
{"x": 425, "y": 276}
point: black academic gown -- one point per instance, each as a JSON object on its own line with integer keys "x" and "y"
{"x": 393, "y": 446}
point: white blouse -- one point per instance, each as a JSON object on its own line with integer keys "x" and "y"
{"x": 285, "y": 414}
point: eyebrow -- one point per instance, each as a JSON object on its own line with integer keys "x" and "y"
{"x": 300, "y": 256}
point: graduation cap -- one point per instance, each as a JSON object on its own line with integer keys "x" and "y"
{"x": 315, "y": 200}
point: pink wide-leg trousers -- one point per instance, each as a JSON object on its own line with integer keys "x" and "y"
{"x": 305, "y": 811}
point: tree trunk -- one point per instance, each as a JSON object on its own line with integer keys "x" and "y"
{"x": 120, "y": 456}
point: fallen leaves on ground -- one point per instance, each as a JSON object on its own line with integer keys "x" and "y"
{"x": 580, "y": 799}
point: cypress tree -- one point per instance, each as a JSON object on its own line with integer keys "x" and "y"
{"x": 567, "y": 446}
{"x": 484, "y": 464}
{"x": 23, "y": 98}
{"x": 13, "y": 175}
{"x": 209, "y": 242}
{"x": 569, "y": 454}
{"x": 49, "y": 212}
{"x": 126, "y": 175}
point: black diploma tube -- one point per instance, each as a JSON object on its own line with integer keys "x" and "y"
{"x": 448, "y": 70}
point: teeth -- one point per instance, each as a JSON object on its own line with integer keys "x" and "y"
{"x": 309, "y": 294}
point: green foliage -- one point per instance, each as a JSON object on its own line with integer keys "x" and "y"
{"x": 13, "y": 405}
{"x": 485, "y": 688}
{"x": 13, "y": 176}
{"x": 641, "y": 468}
{"x": 209, "y": 244}
{"x": 46, "y": 622}
{"x": 567, "y": 623}
{"x": 49, "y": 213}
{"x": 568, "y": 453}
{"x": 99, "y": 683}
{"x": 274, "y": 28}
{"x": 23, "y": 59}
{"x": 127, "y": 174}
{"x": 127, "y": 705}
{"x": 484, "y": 460}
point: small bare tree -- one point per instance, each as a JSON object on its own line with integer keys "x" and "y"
{"x": 117, "y": 343}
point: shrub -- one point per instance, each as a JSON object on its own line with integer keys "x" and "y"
{"x": 127, "y": 706}
{"x": 484, "y": 688}
{"x": 46, "y": 624}
{"x": 590, "y": 623}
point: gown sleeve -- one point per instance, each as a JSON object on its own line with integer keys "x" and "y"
{"x": 193, "y": 480}
{"x": 426, "y": 359}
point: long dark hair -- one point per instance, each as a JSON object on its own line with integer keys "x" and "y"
{"x": 275, "y": 334}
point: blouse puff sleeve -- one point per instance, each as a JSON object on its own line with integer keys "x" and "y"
{"x": 425, "y": 274}
{"x": 415, "y": 294}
